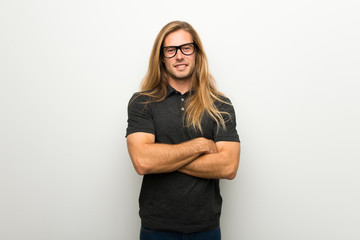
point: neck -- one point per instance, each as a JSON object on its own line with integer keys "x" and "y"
{"x": 181, "y": 86}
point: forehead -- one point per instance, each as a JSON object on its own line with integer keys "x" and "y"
{"x": 177, "y": 38}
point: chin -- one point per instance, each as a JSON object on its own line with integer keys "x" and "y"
{"x": 181, "y": 78}
{"x": 184, "y": 74}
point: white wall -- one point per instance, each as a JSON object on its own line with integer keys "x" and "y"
{"x": 68, "y": 68}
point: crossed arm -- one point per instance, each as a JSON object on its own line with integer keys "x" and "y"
{"x": 199, "y": 157}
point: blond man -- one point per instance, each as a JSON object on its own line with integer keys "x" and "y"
{"x": 182, "y": 138}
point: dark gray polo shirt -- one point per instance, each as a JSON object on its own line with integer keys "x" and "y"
{"x": 176, "y": 201}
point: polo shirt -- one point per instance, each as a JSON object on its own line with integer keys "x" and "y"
{"x": 175, "y": 201}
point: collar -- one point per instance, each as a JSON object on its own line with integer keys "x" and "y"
{"x": 171, "y": 90}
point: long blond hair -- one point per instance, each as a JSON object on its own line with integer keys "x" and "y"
{"x": 205, "y": 94}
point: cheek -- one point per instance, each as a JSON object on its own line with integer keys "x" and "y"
{"x": 167, "y": 64}
{"x": 192, "y": 59}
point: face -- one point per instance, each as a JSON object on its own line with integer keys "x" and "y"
{"x": 179, "y": 67}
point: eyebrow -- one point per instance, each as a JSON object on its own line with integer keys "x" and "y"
{"x": 179, "y": 45}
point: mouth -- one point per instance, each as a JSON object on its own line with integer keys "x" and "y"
{"x": 181, "y": 66}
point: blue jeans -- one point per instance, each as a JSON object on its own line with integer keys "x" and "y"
{"x": 148, "y": 234}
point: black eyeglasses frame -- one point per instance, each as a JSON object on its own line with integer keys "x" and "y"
{"x": 177, "y": 48}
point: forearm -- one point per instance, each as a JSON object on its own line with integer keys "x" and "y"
{"x": 220, "y": 165}
{"x": 161, "y": 158}
{"x": 208, "y": 166}
{"x": 150, "y": 157}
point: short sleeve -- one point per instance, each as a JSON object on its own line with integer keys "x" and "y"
{"x": 229, "y": 133}
{"x": 139, "y": 115}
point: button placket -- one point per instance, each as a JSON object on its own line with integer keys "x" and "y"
{"x": 182, "y": 103}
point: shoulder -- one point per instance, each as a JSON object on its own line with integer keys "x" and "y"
{"x": 140, "y": 98}
{"x": 138, "y": 103}
{"x": 223, "y": 102}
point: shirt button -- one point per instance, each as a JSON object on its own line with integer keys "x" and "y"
{"x": 182, "y": 99}
{"x": 182, "y": 109}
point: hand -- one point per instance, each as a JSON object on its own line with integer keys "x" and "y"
{"x": 207, "y": 146}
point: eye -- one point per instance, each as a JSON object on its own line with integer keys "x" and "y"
{"x": 169, "y": 50}
{"x": 187, "y": 49}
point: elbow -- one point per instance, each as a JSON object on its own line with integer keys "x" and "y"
{"x": 141, "y": 167}
{"x": 230, "y": 175}
{"x": 139, "y": 170}
{"x": 231, "y": 170}
{"x": 233, "y": 166}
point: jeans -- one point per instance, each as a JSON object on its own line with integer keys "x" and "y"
{"x": 148, "y": 234}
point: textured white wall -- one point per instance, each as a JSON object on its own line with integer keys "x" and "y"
{"x": 68, "y": 69}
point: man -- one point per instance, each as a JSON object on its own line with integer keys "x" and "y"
{"x": 181, "y": 136}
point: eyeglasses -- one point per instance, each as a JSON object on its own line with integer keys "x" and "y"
{"x": 171, "y": 51}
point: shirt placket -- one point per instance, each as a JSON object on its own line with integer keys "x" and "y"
{"x": 182, "y": 104}
{"x": 182, "y": 107}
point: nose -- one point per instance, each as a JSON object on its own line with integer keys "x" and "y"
{"x": 179, "y": 54}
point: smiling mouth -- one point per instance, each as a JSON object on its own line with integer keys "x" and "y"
{"x": 180, "y": 66}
